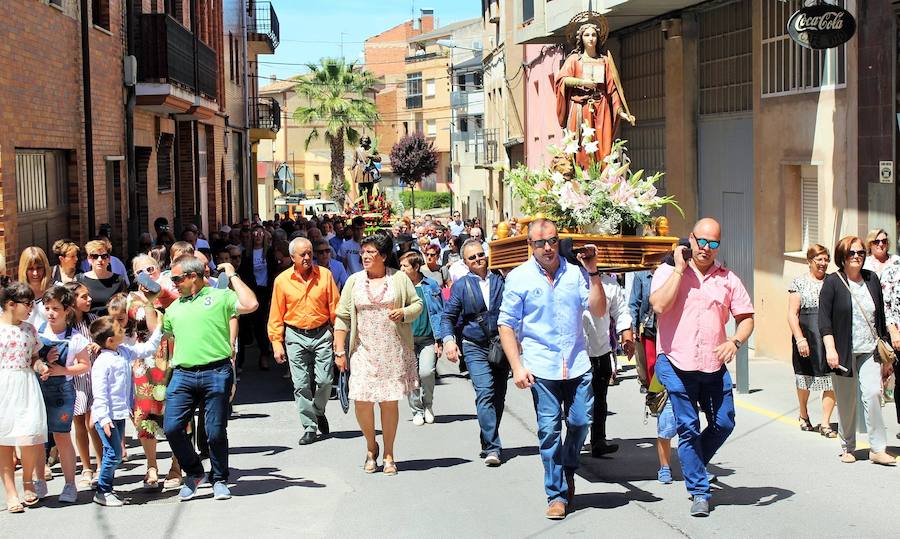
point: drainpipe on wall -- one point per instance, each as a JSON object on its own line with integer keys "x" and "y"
{"x": 249, "y": 176}
{"x": 88, "y": 118}
{"x": 134, "y": 225}
{"x": 195, "y": 128}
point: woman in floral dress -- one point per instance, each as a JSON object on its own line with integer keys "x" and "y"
{"x": 378, "y": 306}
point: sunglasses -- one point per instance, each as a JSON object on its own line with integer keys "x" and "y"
{"x": 880, "y": 242}
{"x": 431, "y": 255}
{"x": 703, "y": 242}
{"x": 539, "y": 244}
{"x": 178, "y": 278}
{"x": 99, "y": 256}
{"x": 148, "y": 270}
{"x": 851, "y": 253}
{"x": 476, "y": 256}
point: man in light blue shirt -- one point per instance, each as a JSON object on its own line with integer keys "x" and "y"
{"x": 348, "y": 254}
{"x": 543, "y": 303}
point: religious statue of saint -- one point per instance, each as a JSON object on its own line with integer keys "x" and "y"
{"x": 588, "y": 89}
{"x": 365, "y": 172}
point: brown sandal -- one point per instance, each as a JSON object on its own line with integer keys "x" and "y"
{"x": 390, "y": 468}
{"x": 805, "y": 425}
{"x": 827, "y": 431}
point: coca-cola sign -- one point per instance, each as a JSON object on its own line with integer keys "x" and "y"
{"x": 821, "y": 26}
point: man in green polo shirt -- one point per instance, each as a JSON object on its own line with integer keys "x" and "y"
{"x": 202, "y": 372}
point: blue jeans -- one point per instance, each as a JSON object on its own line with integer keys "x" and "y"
{"x": 550, "y": 397}
{"x": 490, "y": 394}
{"x": 690, "y": 391}
{"x": 112, "y": 453}
{"x": 186, "y": 389}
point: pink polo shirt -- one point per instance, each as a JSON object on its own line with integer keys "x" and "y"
{"x": 690, "y": 330}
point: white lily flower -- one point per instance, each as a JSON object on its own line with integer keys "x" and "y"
{"x": 591, "y": 147}
{"x": 558, "y": 178}
{"x": 587, "y": 131}
{"x": 571, "y": 147}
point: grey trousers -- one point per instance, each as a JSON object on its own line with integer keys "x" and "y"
{"x": 421, "y": 398}
{"x": 864, "y": 385}
{"x": 311, "y": 359}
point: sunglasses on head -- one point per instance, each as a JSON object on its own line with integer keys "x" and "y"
{"x": 852, "y": 252}
{"x": 880, "y": 242}
{"x": 539, "y": 244}
{"x": 476, "y": 256}
{"x": 99, "y": 256}
{"x": 703, "y": 242}
{"x": 178, "y": 278}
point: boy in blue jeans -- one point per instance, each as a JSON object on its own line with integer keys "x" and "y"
{"x": 114, "y": 392}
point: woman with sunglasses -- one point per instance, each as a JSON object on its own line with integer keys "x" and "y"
{"x": 851, "y": 318}
{"x": 810, "y": 370}
{"x": 878, "y": 246}
{"x": 100, "y": 281}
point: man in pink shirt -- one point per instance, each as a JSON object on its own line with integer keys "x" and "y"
{"x": 693, "y": 301}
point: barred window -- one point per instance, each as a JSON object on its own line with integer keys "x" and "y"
{"x": 788, "y": 68}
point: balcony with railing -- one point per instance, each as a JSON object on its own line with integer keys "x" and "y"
{"x": 485, "y": 144}
{"x": 166, "y": 62}
{"x": 265, "y": 118}
{"x": 264, "y": 32}
{"x": 425, "y": 57}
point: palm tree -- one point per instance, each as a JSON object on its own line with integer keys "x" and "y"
{"x": 335, "y": 93}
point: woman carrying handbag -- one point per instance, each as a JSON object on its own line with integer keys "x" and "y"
{"x": 852, "y": 324}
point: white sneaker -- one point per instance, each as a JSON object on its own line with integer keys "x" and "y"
{"x": 107, "y": 499}
{"x": 69, "y": 493}
{"x": 429, "y": 416}
{"x": 418, "y": 420}
{"x": 492, "y": 459}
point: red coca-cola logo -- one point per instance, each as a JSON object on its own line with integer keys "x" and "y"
{"x": 821, "y": 26}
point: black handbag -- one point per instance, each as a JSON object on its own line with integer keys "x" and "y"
{"x": 496, "y": 356}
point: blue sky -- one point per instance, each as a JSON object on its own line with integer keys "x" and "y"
{"x": 311, "y": 29}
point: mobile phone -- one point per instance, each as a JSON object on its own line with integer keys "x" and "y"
{"x": 687, "y": 254}
{"x": 148, "y": 283}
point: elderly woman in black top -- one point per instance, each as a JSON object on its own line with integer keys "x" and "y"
{"x": 851, "y": 318}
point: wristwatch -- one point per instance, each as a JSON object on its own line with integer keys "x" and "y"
{"x": 737, "y": 343}
{"x": 593, "y": 273}
{"x": 339, "y": 353}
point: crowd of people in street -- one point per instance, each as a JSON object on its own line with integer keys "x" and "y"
{"x": 92, "y": 343}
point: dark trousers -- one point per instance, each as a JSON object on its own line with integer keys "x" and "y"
{"x": 600, "y": 383}
{"x": 186, "y": 390}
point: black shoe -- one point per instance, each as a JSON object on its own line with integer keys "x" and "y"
{"x": 322, "y": 421}
{"x": 600, "y": 450}
{"x": 307, "y": 438}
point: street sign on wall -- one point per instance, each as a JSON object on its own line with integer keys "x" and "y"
{"x": 821, "y": 26}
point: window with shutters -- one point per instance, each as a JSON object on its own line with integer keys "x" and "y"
{"x": 430, "y": 88}
{"x": 164, "y": 162}
{"x": 809, "y": 207}
{"x": 31, "y": 182}
{"x": 801, "y": 209}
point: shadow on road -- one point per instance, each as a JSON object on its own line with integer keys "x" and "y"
{"x": 453, "y": 418}
{"x": 524, "y": 451}
{"x": 270, "y": 480}
{"x": 422, "y": 465}
{"x": 269, "y": 450}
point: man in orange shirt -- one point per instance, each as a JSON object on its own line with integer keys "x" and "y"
{"x": 304, "y": 302}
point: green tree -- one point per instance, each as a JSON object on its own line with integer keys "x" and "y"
{"x": 337, "y": 108}
{"x": 412, "y": 158}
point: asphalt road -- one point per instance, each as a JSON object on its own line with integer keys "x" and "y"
{"x": 775, "y": 481}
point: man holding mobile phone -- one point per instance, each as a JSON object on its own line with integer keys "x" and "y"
{"x": 543, "y": 303}
{"x": 693, "y": 301}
